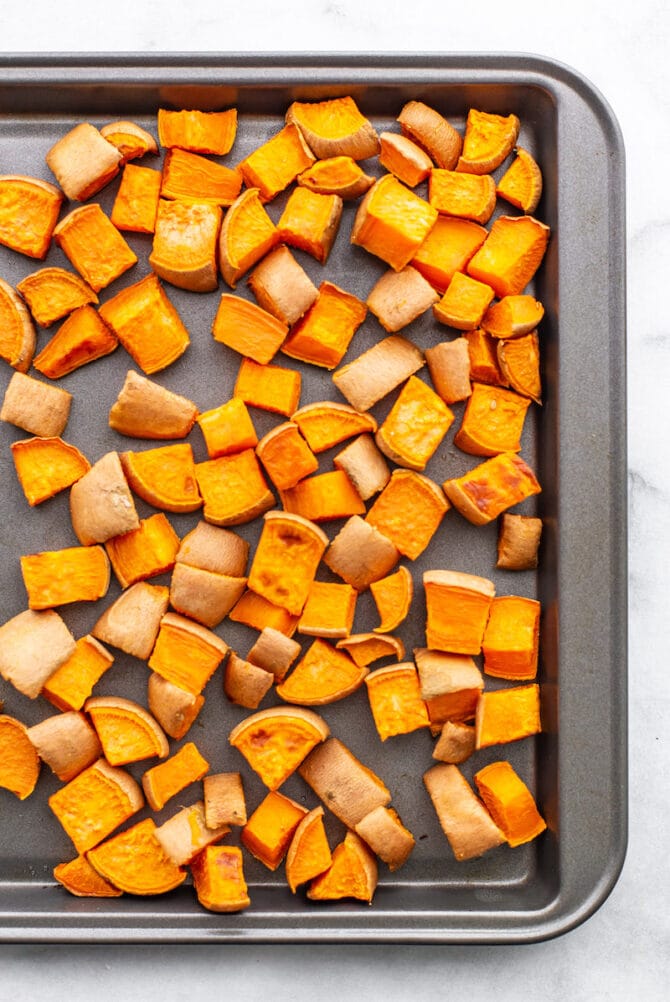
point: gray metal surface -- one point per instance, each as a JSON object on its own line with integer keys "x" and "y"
{"x": 576, "y": 442}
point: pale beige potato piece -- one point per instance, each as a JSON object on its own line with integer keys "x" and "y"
{"x": 33, "y": 645}
{"x": 364, "y": 464}
{"x": 467, "y": 824}
{"x": 245, "y": 683}
{"x": 37, "y": 407}
{"x": 449, "y": 368}
{"x": 378, "y": 371}
{"x": 174, "y": 708}
{"x": 456, "y": 742}
{"x": 224, "y": 799}
{"x": 67, "y": 743}
{"x": 399, "y": 297}
{"x": 204, "y": 595}
{"x": 216, "y": 549}
{"x": 360, "y": 554}
{"x": 274, "y": 651}
{"x": 101, "y": 503}
{"x": 186, "y": 833}
{"x": 132, "y": 621}
{"x": 282, "y": 286}
{"x": 144, "y": 409}
{"x": 347, "y": 787}
{"x": 386, "y": 835}
{"x": 83, "y": 161}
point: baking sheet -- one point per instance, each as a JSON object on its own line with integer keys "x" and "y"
{"x": 576, "y": 443}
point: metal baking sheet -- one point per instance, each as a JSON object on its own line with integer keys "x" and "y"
{"x": 575, "y": 441}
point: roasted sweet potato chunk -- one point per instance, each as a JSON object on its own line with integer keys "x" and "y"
{"x": 58, "y": 577}
{"x": 164, "y": 477}
{"x": 286, "y": 559}
{"x": 268, "y": 832}
{"x": 164, "y": 781}
{"x": 518, "y": 542}
{"x": 36, "y": 406}
{"x": 323, "y": 675}
{"x": 309, "y": 852}
{"x": 519, "y": 361}
{"x": 274, "y": 164}
{"x": 101, "y": 504}
{"x": 269, "y": 387}
{"x": 457, "y": 607}
{"x": 29, "y": 210}
{"x": 392, "y": 596}
{"x": 329, "y": 610}
{"x": 186, "y": 834}
{"x": 338, "y": 175}
{"x": 399, "y": 297}
{"x": 468, "y": 196}
{"x": 415, "y": 426}
{"x": 365, "y": 466}
{"x": 144, "y": 552}
{"x": 248, "y": 329}
{"x": 81, "y": 879}
{"x": 233, "y": 488}
{"x": 510, "y": 255}
{"x": 130, "y": 139}
{"x": 511, "y": 639}
{"x": 198, "y": 131}
{"x": 450, "y": 685}
{"x": 509, "y": 802}
{"x": 386, "y": 835}
{"x": 521, "y": 184}
{"x": 131, "y": 623}
{"x": 395, "y": 700}
{"x": 218, "y": 878}
{"x": 244, "y": 683}
{"x": 360, "y": 553}
{"x": 324, "y": 334}
{"x": 463, "y": 818}
{"x": 224, "y": 799}
{"x": 323, "y": 497}
{"x": 66, "y": 742}
{"x": 227, "y": 428}
{"x": 282, "y": 286}
{"x": 174, "y": 708}
{"x": 327, "y": 423}
{"x": 144, "y": 409}
{"x": 487, "y": 141}
{"x": 310, "y": 222}
{"x": 507, "y": 715}
{"x": 185, "y": 244}
{"x": 93, "y": 244}
{"x": 347, "y": 787}
{"x": 432, "y": 132}
{"x": 135, "y": 861}
{"x": 33, "y": 644}
{"x": 464, "y": 303}
{"x": 275, "y": 741}
{"x": 17, "y": 331}
{"x": 351, "y": 874}
{"x": 127, "y": 732}
{"x": 286, "y": 456}
{"x": 186, "y": 653}
{"x": 52, "y": 293}
{"x": 19, "y": 761}
{"x": 378, "y": 371}
{"x": 408, "y": 511}
{"x": 46, "y": 466}
{"x": 492, "y": 422}
{"x": 193, "y": 178}
{"x": 492, "y": 487}
{"x": 83, "y": 161}
{"x": 259, "y": 613}
{"x": 136, "y": 203}
{"x": 335, "y": 127}
{"x": 70, "y": 685}
{"x": 365, "y": 648}
{"x": 402, "y": 157}
{"x": 449, "y": 367}
{"x": 247, "y": 234}
{"x": 447, "y": 249}
{"x": 83, "y": 337}
{"x": 392, "y": 222}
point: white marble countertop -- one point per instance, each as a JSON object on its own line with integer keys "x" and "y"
{"x": 623, "y": 950}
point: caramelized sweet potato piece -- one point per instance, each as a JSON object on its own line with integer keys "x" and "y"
{"x": 58, "y": 577}
{"x": 463, "y": 818}
{"x": 365, "y": 466}
{"x": 360, "y": 553}
{"x": 511, "y": 638}
{"x": 94, "y": 246}
{"x": 186, "y": 834}
{"x": 144, "y": 409}
{"x": 101, "y": 504}
{"x": 464, "y": 303}
{"x": 19, "y": 761}
{"x": 147, "y": 324}
{"x": 275, "y": 741}
{"x": 415, "y": 426}
{"x": 32, "y": 646}
{"x": 70, "y": 685}
{"x": 248, "y": 328}
{"x": 492, "y": 487}
{"x": 323, "y": 497}
{"x": 507, "y": 715}
{"x": 135, "y": 862}
{"x": 386, "y": 835}
{"x": 164, "y": 781}
{"x": 392, "y": 222}
{"x": 378, "y": 371}
{"x": 46, "y": 466}
{"x": 274, "y": 164}
{"x": 198, "y": 131}
{"x": 132, "y": 621}
{"x": 484, "y": 365}
{"x": 449, "y": 367}
{"x": 83, "y": 161}
{"x": 29, "y": 210}
{"x": 450, "y": 685}
{"x": 365, "y": 648}
{"x": 510, "y": 803}
{"x": 408, "y": 511}
{"x": 185, "y": 244}
{"x": 456, "y": 743}
{"x": 521, "y": 184}
{"x": 399, "y": 297}
{"x": 310, "y": 222}
{"x": 395, "y": 700}
{"x": 327, "y": 423}
{"x": 519, "y": 361}
{"x": 281, "y": 286}
{"x": 432, "y": 132}
{"x": 233, "y": 488}
{"x": 323, "y": 675}
{"x": 492, "y": 422}
{"x": 174, "y": 708}
{"x": 244, "y": 683}
{"x": 268, "y": 832}
{"x": 136, "y": 204}
{"x": 447, "y": 249}
{"x": 259, "y": 613}
{"x": 130, "y": 139}
{"x": 227, "y": 428}
{"x": 309, "y": 852}
{"x": 127, "y": 732}
{"x": 83, "y": 337}
{"x": 193, "y": 178}
{"x": 224, "y": 799}
{"x": 468, "y": 196}
{"x": 324, "y": 334}
{"x": 339, "y": 175}
{"x": 392, "y": 596}
{"x": 518, "y": 542}
{"x": 269, "y": 387}
{"x": 286, "y": 456}
{"x": 457, "y": 608}
{"x": 347, "y": 787}
{"x": 510, "y": 255}
{"x": 186, "y": 653}
{"x": 52, "y": 293}
{"x": 218, "y": 878}
{"x": 351, "y": 874}
{"x": 247, "y": 234}
{"x": 286, "y": 559}
{"x": 335, "y": 127}
{"x": 66, "y": 742}
{"x": 402, "y": 157}
{"x": 144, "y": 552}
{"x": 487, "y": 141}
{"x": 164, "y": 477}
{"x": 79, "y": 878}
{"x": 329, "y": 610}
{"x": 35, "y": 406}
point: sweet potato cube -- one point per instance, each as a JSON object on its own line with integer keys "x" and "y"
{"x": 519, "y": 361}
{"x": 186, "y": 653}
{"x": 507, "y": 715}
{"x": 385, "y": 834}
{"x": 468, "y": 196}
{"x": 286, "y": 456}
{"x": 19, "y": 761}
{"x": 218, "y": 878}
{"x": 269, "y": 387}
{"x": 277, "y": 162}
{"x": 227, "y": 428}
{"x": 204, "y": 595}
{"x": 81, "y": 879}
{"x": 327, "y": 423}
{"x": 449, "y": 368}
{"x": 323, "y": 675}
{"x": 399, "y": 297}
{"x": 233, "y": 488}
{"x": 509, "y": 802}
{"x": 135, "y": 861}
{"x": 83, "y": 161}
{"x": 144, "y": 307}
{"x": 395, "y": 700}
{"x": 96, "y": 249}
{"x": 247, "y": 234}
{"x": 324, "y": 334}
{"x": 463, "y": 818}
{"x": 338, "y": 175}
{"x": 259, "y": 613}
{"x": 66, "y": 742}
{"x": 487, "y": 141}
{"x": 17, "y": 331}
{"x": 185, "y": 244}
{"x": 164, "y": 781}
{"x": 286, "y": 559}
{"x": 464, "y": 303}
{"x": 512, "y": 316}
{"x": 309, "y": 852}
{"x": 518, "y": 542}
{"x": 492, "y": 487}
{"x": 244, "y": 683}
{"x": 186, "y": 834}
{"x": 351, "y": 874}
{"x": 335, "y": 127}
{"x": 282, "y": 286}
{"x": 194, "y": 178}
{"x": 144, "y": 409}
{"x": 510, "y": 255}
{"x": 492, "y": 421}
{"x": 276, "y": 741}
{"x": 345, "y": 785}
{"x": 29, "y": 210}
{"x": 323, "y": 497}
{"x": 164, "y": 477}
{"x": 456, "y": 742}
{"x": 59, "y": 577}
{"x": 72, "y": 683}
{"x": 415, "y": 425}
{"x": 329, "y": 610}
{"x": 274, "y": 652}
{"x": 365, "y": 466}
{"x": 402, "y": 157}
{"x": 268, "y": 832}
{"x": 132, "y": 621}
{"x": 484, "y": 364}
{"x": 83, "y": 337}
{"x": 521, "y": 184}
{"x": 52, "y": 293}
{"x": 174, "y": 708}
{"x": 212, "y": 548}
{"x": 144, "y": 552}
{"x": 457, "y": 608}
{"x": 130, "y": 139}
{"x": 511, "y": 638}
{"x": 198, "y": 131}
{"x": 378, "y": 371}
{"x": 248, "y": 329}
{"x": 46, "y": 466}
{"x": 136, "y": 204}
{"x": 450, "y": 685}
{"x": 32, "y": 646}
{"x": 127, "y": 732}
{"x": 35, "y": 406}
{"x": 392, "y": 222}
{"x": 224, "y": 799}
{"x": 408, "y": 511}
{"x": 310, "y": 222}
{"x": 447, "y": 249}
{"x": 360, "y": 553}
{"x": 432, "y": 132}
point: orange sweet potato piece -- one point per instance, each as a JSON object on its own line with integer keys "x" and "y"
{"x": 136, "y": 203}
{"x": 58, "y": 577}
{"x": 449, "y": 367}
{"x": 131, "y": 623}
{"x": 392, "y": 222}
{"x": 70, "y": 685}
{"x": 351, "y": 874}
{"x": 415, "y": 425}
{"x": 164, "y": 477}
{"x": 345, "y": 785}
{"x": 52, "y": 293}
{"x": 186, "y": 653}
{"x": 127, "y": 732}
{"x": 324, "y": 334}
{"x": 286, "y": 559}
{"x": 174, "y": 708}
{"x": 248, "y": 328}
{"x": 360, "y": 553}
{"x": 521, "y": 184}
{"x": 224, "y": 799}
{"x": 144, "y": 552}
{"x": 408, "y": 511}
{"x": 286, "y": 456}
{"x": 309, "y": 852}
{"x": 101, "y": 504}
{"x": 247, "y": 234}
{"x": 457, "y": 608}
{"x": 463, "y": 818}
{"x": 19, "y": 761}
{"x": 259, "y": 613}
{"x": 96, "y": 802}
{"x": 275, "y": 741}
{"x": 518, "y": 542}
{"x": 83, "y": 161}
{"x": 185, "y": 244}
{"x": 227, "y": 428}
{"x": 335, "y": 127}
{"x": 310, "y": 222}
{"x": 194, "y": 178}
{"x": 144, "y": 409}
{"x": 17, "y": 331}
{"x": 392, "y": 596}
{"x": 323, "y": 675}
{"x": 186, "y": 834}
{"x": 487, "y": 141}
{"x": 450, "y": 685}
{"x": 46, "y": 466}
{"x": 233, "y": 488}
{"x": 510, "y": 255}
{"x": 512, "y": 316}
{"x": 447, "y": 249}
{"x": 338, "y": 175}
{"x": 35, "y": 406}
{"x": 329, "y": 610}
{"x": 323, "y": 497}
{"x": 327, "y": 423}
{"x": 198, "y": 131}
{"x": 385, "y": 834}
{"x": 395, "y": 700}
{"x": 519, "y": 361}
{"x": 268, "y": 832}
{"x": 378, "y": 371}
{"x": 269, "y": 387}
{"x": 468, "y": 196}
{"x": 130, "y": 139}
{"x": 218, "y": 878}
{"x": 432, "y": 132}
{"x": 244, "y": 683}
{"x": 135, "y": 862}
{"x": 507, "y": 715}
{"x": 464, "y": 303}
{"x": 399, "y": 297}
{"x": 511, "y": 638}
{"x": 365, "y": 466}
{"x": 282, "y": 286}
{"x": 29, "y": 210}
{"x": 66, "y": 742}
{"x": 33, "y": 644}
{"x": 509, "y": 802}
{"x": 147, "y": 324}
{"x": 484, "y": 364}
{"x": 94, "y": 246}
{"x": 79, "y": 878}
{"x": 492, "y": 487}
{"x": 492, "y": 422}
{"x": 83, "y": 337}
{"x": 272, "y": 166}
{"x": 164, "y": 781}
{"x": 402, "y": 157}
{"x": 365, "y": 648}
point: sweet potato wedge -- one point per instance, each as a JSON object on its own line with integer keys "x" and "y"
{"x": 51, "y": 293}
{"x": 29, "y": 209}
